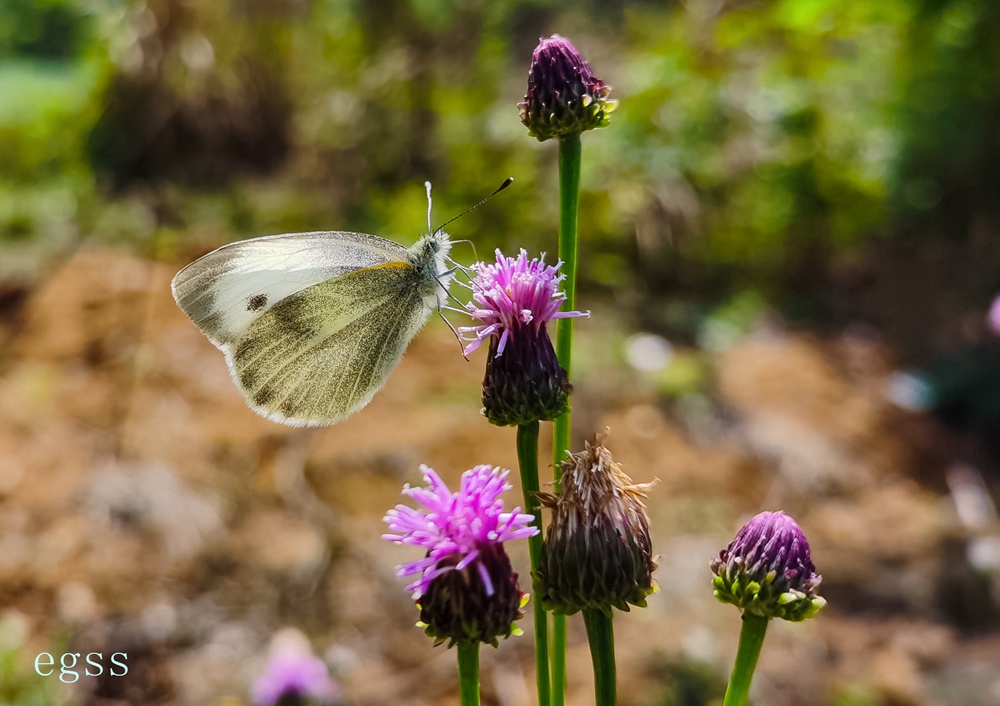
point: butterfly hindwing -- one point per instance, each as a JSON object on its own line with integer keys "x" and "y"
{"x": 321, "y": 354}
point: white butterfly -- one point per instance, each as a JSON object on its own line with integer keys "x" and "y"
{"x": 313, "y": 323}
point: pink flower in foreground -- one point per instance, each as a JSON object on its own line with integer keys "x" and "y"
{"x": 465, "y": 586}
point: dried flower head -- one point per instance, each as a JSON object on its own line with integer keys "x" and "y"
{"x": 294, "y": 677}
{"x": 514, "y": 300}
{"x": 767, "y": 570}
{"x": 597, "y": 553}
{"x": 564, "y": 97}
{"x": 466, "y": 588}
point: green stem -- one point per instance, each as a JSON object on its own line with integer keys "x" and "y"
{"x": 601, "y": 636}
{"x": 558, "y": 660}
{"x": 468, "y": 672}
{"x": 751, "y": 638}
{"x": 527, "y": 459}
{"x": 569, "y": 201}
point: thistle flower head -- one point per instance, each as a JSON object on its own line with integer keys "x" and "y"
{"x": 514, "y": 300}
{"x": 465, "y": 586}
{"x": 767, "y": 570}
{"x": 564, "y": 97}
{"x": 292, "y": 678}
{"x": 597, "y": 553}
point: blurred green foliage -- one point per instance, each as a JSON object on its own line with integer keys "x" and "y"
{"x": 45, "y": 29}
{"x": 19, "y": 684}
{"x": 758, "y": 143}
{"x": 946, "y": 175}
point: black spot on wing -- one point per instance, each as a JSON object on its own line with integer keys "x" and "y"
{"x": 257, "y": 302}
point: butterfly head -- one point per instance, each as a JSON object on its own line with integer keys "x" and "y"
{"x": 430, "y": 259}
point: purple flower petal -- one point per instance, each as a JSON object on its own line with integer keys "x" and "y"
{"x": 512, "y": 294}
{"x": 453, "y": 526}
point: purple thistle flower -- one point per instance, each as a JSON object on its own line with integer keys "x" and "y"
{"x": 515, "y": 299}
{"x": 564, "y": 96}
{"x": 294, "y": 677}
{"x": 513, "y": 294}
{"x": 466, "y": 587}
{"x": 767, "y": 570}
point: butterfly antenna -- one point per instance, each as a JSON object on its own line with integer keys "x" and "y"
{"x": 427, "y": 185}
{"x": 507, "y": 182}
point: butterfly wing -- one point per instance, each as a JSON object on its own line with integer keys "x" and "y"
{"x": 224, "y": 291}
{"x": 309, "y": 334}
{"x": 321, "y": 354}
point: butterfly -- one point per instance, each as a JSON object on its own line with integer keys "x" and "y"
{"x": 312, "y": 324}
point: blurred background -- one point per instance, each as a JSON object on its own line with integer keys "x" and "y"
{"x": 790, "y": 246}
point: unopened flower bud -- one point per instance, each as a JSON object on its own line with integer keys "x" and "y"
{"x": 597, "y": 553}
{"x": 564, "y": 97}
{"x": 767, "y": 570}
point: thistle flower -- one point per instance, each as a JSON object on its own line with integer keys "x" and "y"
{"x": 514, "y": 300}
{"x": 294, "y": 677}
{"x": 564, "y": 97}
{"x": 466, "y": 589}
{"x": 767, "y": 570}
{"x": 597, "y": 553}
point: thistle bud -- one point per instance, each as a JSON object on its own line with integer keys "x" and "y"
{"x": 597, "y": 553}
{"x": 514, "y": 300}
{"x": 564, "y": 97}
{"x": 467, "y": 590}
{"x": 767, "y": 570}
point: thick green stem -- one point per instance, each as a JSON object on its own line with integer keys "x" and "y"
{"x": 527, "y": 459}
{"x": 601, "y": 636}
{"x": 751, "y": 638}
{"x": 468, "y": 673}
{"x": 569, "y": 200}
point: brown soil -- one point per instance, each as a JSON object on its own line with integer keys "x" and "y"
{"x": 144, "y": 508}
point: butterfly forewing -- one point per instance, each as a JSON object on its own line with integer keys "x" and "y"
{"x": 226, "y": 290}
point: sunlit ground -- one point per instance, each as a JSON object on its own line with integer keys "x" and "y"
{"x": 147, "y": 510}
